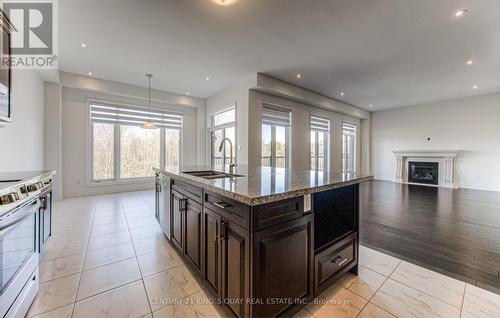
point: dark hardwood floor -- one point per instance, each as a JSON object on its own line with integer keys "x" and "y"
{"x": 455, "y": 232}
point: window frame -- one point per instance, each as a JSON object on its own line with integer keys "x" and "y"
{"x": 354, "y": 147}
{"x": 326, "y": 143}
{"x": 212, "y": 128}
{"x": 288, "y": 134}
{"x": 90, "y": 181}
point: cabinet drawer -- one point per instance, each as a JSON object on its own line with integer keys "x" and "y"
{"x": 267, "y": 215}
{"x": 232, "y": 210}
{"x": 331, "y": 263}
{"x": 188, "y": 190}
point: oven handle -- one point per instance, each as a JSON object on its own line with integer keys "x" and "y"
{"x": 18, "y": 218}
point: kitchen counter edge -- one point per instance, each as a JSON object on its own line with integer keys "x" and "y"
{"x": 253, "y": 201}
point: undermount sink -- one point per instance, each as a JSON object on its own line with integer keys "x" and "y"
{"x": 210, "y": 174}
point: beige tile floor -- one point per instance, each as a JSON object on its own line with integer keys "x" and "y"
{"x": 108, "y": 258}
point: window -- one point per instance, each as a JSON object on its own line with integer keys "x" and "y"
{"x": 225, "y": 117}
{"x": 139, "y": 151}
{"x": 276, "y": 124}
{"x": 320, "y": 148}
{"x": 172, "y": 148}
{"x": 348, "y": 148}
{"x": 122, "y": 149}
{"x": 104, "y": 151}
{"x": 222, "y": 126}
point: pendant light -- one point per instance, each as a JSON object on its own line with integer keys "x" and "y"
{"x": 149, "y": 124}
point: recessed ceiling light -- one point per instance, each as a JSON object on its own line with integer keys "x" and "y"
{"x": 224, "y": 3}
{"x": 207, "y": 78}
{"x": 371, "y": 106}
{"x": 342, "y": 94}
{"x": 83, "y": 45}
{"x": 299, "y": 75}
{"x": 188, "y": 93}
{"x": 90, "y": 73}
{"x": 470, "y": 62}
{"x": 474, "y": 87}
{"x": 461, "y": 13}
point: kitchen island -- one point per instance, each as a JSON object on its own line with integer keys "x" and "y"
{"x": 264, "y": 241}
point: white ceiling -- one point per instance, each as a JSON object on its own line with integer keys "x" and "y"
{"x": 389, "y": 53}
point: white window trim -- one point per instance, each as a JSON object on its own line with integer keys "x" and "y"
{"x": 89, "y": 147}
{"x": 211, "y": 128}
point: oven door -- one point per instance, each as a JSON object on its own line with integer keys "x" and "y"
{"x": 18, "y": 260}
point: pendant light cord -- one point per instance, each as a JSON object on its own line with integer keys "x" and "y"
{"x": 149, "y": 76}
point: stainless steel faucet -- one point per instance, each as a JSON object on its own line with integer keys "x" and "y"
{"x": 232, "y": 164}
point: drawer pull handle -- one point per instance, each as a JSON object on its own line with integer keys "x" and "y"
{"x": 339, "y": 261}
{"x": 223, "y": 229}
{"x": 183, "y": 203}
{"x": 221, "y": 205}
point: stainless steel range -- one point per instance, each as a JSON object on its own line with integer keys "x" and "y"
{"x": 24, "y": 202}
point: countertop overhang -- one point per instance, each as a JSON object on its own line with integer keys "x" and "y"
{"x": 261, "y": 185}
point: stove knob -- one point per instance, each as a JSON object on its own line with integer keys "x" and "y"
{"x": 9, "y": 198}
{"x": 34, "y": 187}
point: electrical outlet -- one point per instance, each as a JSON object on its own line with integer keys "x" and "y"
{"x": 307, "y": 203}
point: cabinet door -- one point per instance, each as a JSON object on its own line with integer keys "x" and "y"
{"x": 192, "y": 246}
{"x": 178, "y": 204}
{"x": 235, "y": 268}
{"x": 212, "y": 250}
{"x": 283, "y": 265}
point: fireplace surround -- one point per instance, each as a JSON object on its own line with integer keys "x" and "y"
{"x": 446, "y": 160}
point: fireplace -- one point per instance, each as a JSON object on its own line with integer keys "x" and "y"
{"x": 423, "y": 172}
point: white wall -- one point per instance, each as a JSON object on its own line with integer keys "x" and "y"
{"x": 471, "y": 125}
{"x": 22, "y": 140}
{"x": 53, "y": 135}
{"x": 236, "y": 94}
{"x": 300, "y": 133}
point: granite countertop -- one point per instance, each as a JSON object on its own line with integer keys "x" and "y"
{"x": 13, "y": 178}
{"x": 261, "y": 185}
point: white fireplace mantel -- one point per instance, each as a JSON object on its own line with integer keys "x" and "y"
{"x": 447, "y": 156}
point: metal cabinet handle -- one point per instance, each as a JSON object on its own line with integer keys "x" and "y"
{"x": 43, "y": 203}
{"x": 339, "y": 261}
{"x": 217, "y": 233}
{"x": 183, "y": 204}
{"x": 223, "y": 227}
{"x": 221, "y": 205}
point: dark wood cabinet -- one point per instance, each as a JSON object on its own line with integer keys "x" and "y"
{"x": 282, "y": 266}
{"x": 261, "y": 261}
{"x": 177, "y": 232}
{"x": 192, "y": 230}
{"x": 235, "y": 243}
{"x": 334, "y": 261}
{"x": 212, "y": 250}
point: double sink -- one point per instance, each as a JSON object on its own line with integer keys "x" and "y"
{"x": 211, "y": 174}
